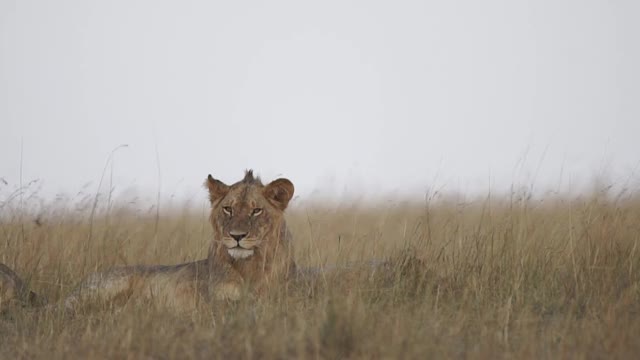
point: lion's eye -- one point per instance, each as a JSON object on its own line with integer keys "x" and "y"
{"x": 227, "y": 210}
{"x": 256, "y": 212}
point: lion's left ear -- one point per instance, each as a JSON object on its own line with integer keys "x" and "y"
{"x": 279, "y": 192}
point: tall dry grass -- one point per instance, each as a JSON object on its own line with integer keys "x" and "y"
{"x": 494, "y": 277}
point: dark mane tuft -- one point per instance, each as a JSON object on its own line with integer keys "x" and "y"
{"x": 250, "y": 179}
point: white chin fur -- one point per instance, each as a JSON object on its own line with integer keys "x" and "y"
{"x": 237, "y": 253}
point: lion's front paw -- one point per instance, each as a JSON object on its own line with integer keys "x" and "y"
{"x": 229, "y": 291}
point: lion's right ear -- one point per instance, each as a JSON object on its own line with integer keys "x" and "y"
{"x": 217, "y": 189}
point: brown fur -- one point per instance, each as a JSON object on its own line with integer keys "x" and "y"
{"x": 13, "y": 291}
{"x": 246, "y": 209}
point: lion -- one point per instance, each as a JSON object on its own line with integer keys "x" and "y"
{"x": 251, "y": 249}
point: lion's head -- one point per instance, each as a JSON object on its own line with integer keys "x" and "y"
{"x": 248, "y": 218}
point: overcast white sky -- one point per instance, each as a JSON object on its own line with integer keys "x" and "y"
{"x": 338, "y": 96}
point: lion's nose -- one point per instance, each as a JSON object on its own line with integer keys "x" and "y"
{"x": 237, "y": 235}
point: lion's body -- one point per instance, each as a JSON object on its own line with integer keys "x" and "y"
{"x": 251, "y": 248}
{"x": 178, "y": 286}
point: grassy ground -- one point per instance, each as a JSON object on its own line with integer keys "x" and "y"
{"x": 510, "y": 277}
